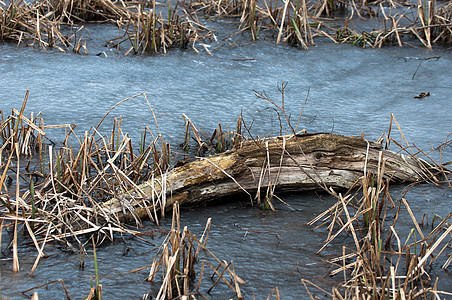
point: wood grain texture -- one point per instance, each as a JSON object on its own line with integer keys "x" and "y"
{"x": 290, "y": 163}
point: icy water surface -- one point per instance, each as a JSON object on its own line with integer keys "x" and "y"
{"x": 349, "y": 90}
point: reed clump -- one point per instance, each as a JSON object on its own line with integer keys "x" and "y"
{"x": 56, "y": 187}
{"x": 40, "y": 24}
{"x": 58, "y": 24}
{"x": 221, "y": 140}
{"x": 300, "y": 22}
{"x": 380, "y": 263}
{"x": 149, "y": 31}
{"x": 432, "y": 24}
{"x": 55, "y": 191}
{"x": 216, "y": 9}
{"x": 178, "y": 259}
{"x": 86, "y": 11}
{"x": 441, "y": 23}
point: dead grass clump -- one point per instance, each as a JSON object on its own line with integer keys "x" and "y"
{"x": 55, "y": 192}
{"x": 77, "y": 11}
{"x": 35, "y": 25}
{"x": 432, "y": 24}
{"x": 440, "y": 23}
{"x": 50, "y": 24}
{"x": 178, "y": 257}
{"x": 148, "y": 31}
{"x": 300, "y": 22}
{"x": 381, "y": 264}
{"x": 295, "y": 22}
{"x": 221, "y": 140}
{"x": 217, "y": 9}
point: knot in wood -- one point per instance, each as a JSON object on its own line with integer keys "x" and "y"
{"x": 318, "y": 155}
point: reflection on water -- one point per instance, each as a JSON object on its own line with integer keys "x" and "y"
{"x": 350, "y": 90}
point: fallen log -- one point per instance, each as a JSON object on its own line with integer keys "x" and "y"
{"x": 287, "y": 163}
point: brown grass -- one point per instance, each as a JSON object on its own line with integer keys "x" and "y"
{"x": 300, "y": 22}
{"x": 50, "y": 24}
{"x": 58, "y": 24}
{"x": 381, "y": 264}
{"x": 58, "y": 189}
{"x": 178, "y": 259}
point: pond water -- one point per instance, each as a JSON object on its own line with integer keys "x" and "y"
{"x": 349, "y": 90}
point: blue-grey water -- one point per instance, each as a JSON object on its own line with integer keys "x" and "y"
{"x": 349, "y": 90}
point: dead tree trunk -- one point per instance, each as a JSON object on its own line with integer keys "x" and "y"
{"x": 287, "y": 163}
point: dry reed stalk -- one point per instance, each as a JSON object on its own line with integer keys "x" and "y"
{"x": 286, "y": 4}
{"x": 178, "y": 255}
{"x": 189, "y": 124}
{"x": 219, "y": 142}
{"x": 40, "y": 251}
{"x": 48, "y": 283}
{"x": 304, "y": 281}
{"x": 299, "y": 32}
{"x": 5, "y": 200}
{"x": 63, "y": 204}
{"x": 432, "y": 25}
{"x": 372, "y": 268}
{"x": 16, "y": 267}
{"x": 42, "y": 23}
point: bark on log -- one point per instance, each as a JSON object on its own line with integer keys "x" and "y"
{"x": 291, "y": 163}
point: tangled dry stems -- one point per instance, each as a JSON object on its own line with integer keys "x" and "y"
{"x": 59, "y": 188}
{"x": 178, "y": 257}
{"x": 300, "y": 22}
{"x": 382, "y": 264}
{"x": 58, "y": 24}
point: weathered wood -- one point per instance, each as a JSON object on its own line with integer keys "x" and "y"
{"x": 291, "y": 163}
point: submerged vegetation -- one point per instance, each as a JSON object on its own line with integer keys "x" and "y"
{"x": 151, "y": 27}
{"x": 52, "y": 192}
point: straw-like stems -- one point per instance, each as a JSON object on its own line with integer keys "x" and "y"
{"x": 220, "y": 141}
{"x": 44, "y": 24}
{"x": 38, "y": 24}
{"x": 149, "y": 31}
{"x": 177, "y": 257}
{"x": 372, "y": 268}
{"x": 15, "y": 253}
{"x": 216, "y": 8}
{"x": 98, "y": 288}
{"x": 61, "y": 201}
{"x": 250, "y": 17}
{"x": 431, "y": 25}
{"x": 49, "y": 283}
